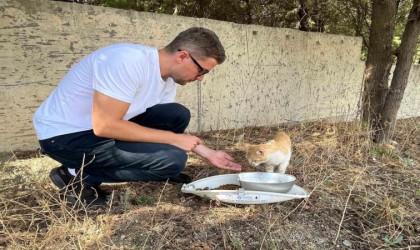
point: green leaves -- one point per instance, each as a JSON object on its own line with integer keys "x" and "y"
{"x": 391, "y": 242}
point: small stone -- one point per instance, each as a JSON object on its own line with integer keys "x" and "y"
{"x": 347, "y": 243}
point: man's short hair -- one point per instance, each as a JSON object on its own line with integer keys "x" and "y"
{"x": 200, "y": 42}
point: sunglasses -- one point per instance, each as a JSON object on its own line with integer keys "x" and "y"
{"x": 202, "y": 71}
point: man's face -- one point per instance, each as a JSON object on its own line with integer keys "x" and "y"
{"x": 191, "y": 69}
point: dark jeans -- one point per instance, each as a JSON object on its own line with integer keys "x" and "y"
{"x": 109, "y": 160}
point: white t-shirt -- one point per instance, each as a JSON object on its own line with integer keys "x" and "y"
{"x": 127, "y": 72}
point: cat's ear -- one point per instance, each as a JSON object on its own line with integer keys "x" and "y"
{"x": 245, "y": 145}
{"x": 279, "y": 136}
{"x": 282, "y": 136}
{"x": 260, "y": 152}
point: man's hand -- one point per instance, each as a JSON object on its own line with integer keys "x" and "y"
{"x": 219, "y": 159}
{"x": 222, "y": 160}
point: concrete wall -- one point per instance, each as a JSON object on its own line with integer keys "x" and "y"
{"x": 271, "y": 75}
{"x": 410, "y": 105}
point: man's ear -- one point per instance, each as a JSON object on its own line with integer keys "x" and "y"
{"x": 181, "y": 56}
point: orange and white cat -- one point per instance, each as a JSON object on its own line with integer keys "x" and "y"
{"x": 273, "y": 154}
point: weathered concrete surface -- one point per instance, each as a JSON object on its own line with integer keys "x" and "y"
{"x": 410, "y": 105}
{"x": 271, "y": 75}
{"x": 281, "y": 75}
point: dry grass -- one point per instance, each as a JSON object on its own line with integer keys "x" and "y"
{"x": 363, "y": 196}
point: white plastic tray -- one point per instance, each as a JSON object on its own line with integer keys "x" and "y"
{"x": 240, "y": 196}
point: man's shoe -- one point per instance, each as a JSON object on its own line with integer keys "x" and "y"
{"x": 181, "y": 178}
{"x": 73, "y": 190}
{"x": 84, "y": 197}
{"x": 61, "y": 177}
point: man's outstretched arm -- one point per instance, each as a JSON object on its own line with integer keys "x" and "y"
{"x": 108, "y": 122}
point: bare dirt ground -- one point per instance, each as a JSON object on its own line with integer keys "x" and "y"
{"x": 362, "y": 196}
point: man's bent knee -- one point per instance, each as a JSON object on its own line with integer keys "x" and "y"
{"x": 174, "y": 164}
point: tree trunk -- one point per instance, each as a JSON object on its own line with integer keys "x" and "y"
{"x": 405, "y": 58}
{"x": 303, "y": 17}
{"x": 378, "y": 60}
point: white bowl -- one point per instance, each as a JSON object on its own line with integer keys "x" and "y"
{"x": 267, "y": 182}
